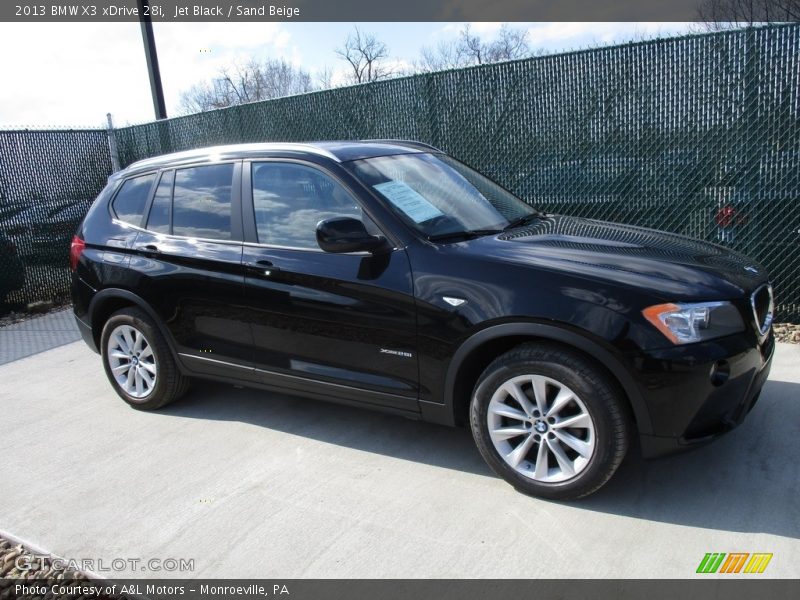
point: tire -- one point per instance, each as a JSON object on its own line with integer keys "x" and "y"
{"x": 576, "y": 393}
{"x": 158, "y": 381}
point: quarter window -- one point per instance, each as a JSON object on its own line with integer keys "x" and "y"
{"x": 159, "y": 218}
{"x": 129, "y": 203}
{"x": 290, "y": 199}
{"x": 202, "y": 202}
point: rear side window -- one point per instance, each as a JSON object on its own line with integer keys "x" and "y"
{"x": 201, "y": 205}
{"x": 160, "y": 212}
{"x": 128, "y": 204}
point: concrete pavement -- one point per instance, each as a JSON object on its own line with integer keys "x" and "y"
{"x": 249, "y": 484}
{"x": 37, "y": 335}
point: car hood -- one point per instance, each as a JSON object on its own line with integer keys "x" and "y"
{"x": 677, "y": 266}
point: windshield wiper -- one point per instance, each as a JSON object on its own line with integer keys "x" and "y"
{"x": 467, "y": 235}
{"x": 523, "y": 220}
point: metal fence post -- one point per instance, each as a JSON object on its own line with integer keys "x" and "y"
{"x": 112, "y": 144}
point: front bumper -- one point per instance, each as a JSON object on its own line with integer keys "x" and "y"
{"x": 695, "y": 393}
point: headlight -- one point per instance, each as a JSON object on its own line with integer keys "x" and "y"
{"x": 689, "y": 323}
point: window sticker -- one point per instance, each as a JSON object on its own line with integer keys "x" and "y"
{"x": 409, "y": 201}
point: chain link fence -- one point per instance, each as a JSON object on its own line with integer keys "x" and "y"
{"x": 48, "y": 180}
{"x": 697, "y": 135}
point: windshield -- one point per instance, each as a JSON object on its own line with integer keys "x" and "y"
{"x": 440, "y": 197}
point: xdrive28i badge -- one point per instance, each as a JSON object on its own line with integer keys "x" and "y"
{"x": 402, "y": 353}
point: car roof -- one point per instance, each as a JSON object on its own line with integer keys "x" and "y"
{"x": 338, "y": 151}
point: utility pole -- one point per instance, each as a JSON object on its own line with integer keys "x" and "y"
{"x": 112, "y": 144}
{"x": 152, "y": 60}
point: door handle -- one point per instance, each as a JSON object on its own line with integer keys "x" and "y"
{"x": 149, "y": 248}
{"x": 264, "y": 267}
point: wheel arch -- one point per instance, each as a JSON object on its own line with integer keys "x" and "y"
{"x": 480, "y": 349}
{"x": 108, "y": 301}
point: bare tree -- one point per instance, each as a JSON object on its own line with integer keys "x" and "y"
{"x": 724, "y": 14}
{"x": 367, "y": 57}
{"x": 324, "y": 78}
{"x": 469, "y": 49}
{"x": 446, "y": 55}
{"x": 472, "y": 46}
{"x": 248, "y": 82}
{"x": 510, "y": 44}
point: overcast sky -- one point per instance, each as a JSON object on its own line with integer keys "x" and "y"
{"x": 71, "y": 75}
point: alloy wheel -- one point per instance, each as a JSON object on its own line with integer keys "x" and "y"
{"x": 132, "y": 361}
{"x": 541, "y": 428}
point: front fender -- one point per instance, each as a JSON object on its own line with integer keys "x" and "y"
{"x": 602, "y": 355}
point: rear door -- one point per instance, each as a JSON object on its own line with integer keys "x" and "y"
{"x": 338, "y": 325}
{"x": 189, "y": 259}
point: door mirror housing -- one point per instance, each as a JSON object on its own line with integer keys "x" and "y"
{"x": 346, "y": 234}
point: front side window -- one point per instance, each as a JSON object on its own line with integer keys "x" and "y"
{"x": 201, "y": 206}
{"x": 290, "y": 199}
{"x": 129, "y": 203}
{"x": 439, "y": 196}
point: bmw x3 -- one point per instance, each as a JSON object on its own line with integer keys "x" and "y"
{"x": 388, "y": 275}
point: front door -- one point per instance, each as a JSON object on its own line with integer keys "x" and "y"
{"x": 333, "y": 325}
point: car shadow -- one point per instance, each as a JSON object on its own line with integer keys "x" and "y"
{"x": 747, "y": 481}
{"x": 346, "y": 426}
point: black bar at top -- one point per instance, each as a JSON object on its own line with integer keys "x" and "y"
{"x": 352, "y": 10}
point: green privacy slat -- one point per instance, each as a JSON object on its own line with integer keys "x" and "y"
{"x": 697, "y": 135}
{"x": 48, "y": 180}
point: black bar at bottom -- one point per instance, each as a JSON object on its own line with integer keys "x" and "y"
{"x": 704, "y": 587}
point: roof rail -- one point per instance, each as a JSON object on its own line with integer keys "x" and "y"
{"x": 408, "y": 143}
{"x": 196, "y": 153}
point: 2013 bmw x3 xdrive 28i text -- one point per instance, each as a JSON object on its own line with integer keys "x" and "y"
{"x": 388, "y": 275}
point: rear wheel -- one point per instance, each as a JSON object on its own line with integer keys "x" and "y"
{"x": 549, "y": 422}
{"x": 138, "y": 362}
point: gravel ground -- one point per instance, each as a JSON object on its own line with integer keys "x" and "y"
{"x": 13, "y": 556}
{"x": 16, "y": 317}
{"x": 42, "y": 574}
{"x": 37, "y": 309}
{"x": 787, "y": 332}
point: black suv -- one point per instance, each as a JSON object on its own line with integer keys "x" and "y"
{"x": 387, "y": 275}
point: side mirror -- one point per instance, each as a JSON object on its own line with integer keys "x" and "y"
{"x": 346, "y": 234}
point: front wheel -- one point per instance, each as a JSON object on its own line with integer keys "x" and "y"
{"x": 549, "y": 422}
